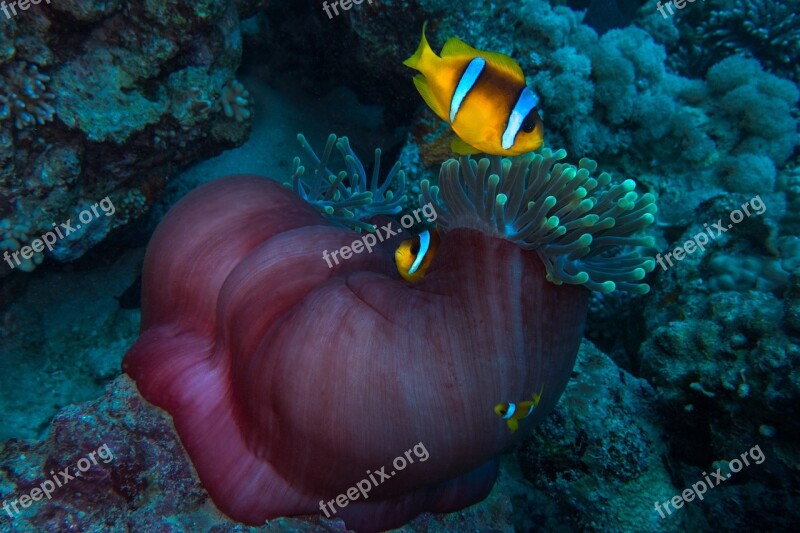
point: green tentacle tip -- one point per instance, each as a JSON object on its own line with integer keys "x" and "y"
{"x": 584, "y": 226}
{"x": 347, "y": 197}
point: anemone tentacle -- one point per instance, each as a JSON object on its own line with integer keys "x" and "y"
{"x": 344, "y": 198}
{"x": 581, "y": 226}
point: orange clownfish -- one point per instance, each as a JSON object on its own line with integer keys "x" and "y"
{"x": 512, "y": 413}
{"x": 414, "y": 256}
{"x": 482, "y": 95}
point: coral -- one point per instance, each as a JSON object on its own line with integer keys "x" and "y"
{"x": 719, "y": 350}
{"x": 234, "y": 101}
{"x": 789, "y": 183}
{"x": 768, "y": 30}
{"x": 344, "y": 198}
{"x": 134, "y": 95}
{"x": 742, "y": 92}
{"x": 742, "y": 273}
{"x": 577, "y": 223}
{"x": 600, "y": 454}
{"x": 729, "y": 362}
{"x": 24, "y": 97}
{"x": 748, "y": 173}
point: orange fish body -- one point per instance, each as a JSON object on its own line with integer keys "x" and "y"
{"x": 482, "y": 95}
{"x": 512, "y": 412}
{"x": 414, "y": 256}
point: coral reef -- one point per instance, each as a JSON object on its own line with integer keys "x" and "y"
{"x": 600, "y": 453}
{"x": 577, "y": 223}
{"x": 113, "y": 99}
{"x": 721, "y": 348}
{"x": 118, "y": 107}
{"x": 610, "y": 98}
{"x": 768, "y": 30}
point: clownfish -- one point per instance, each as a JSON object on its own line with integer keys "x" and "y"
{"x": 512, "y": 413}
{"x": 414, "y": 256}
{"x": 482, "y": 95}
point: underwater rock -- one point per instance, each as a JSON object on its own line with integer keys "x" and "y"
{"x": 134, "y": 100}
{"x": 600, "y": 455}
{"x": 721, "y": 351}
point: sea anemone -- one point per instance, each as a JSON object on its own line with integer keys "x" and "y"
{"x": 234, "y": 101}
{"x": 579, "y": 225}
{"x": 343, "y": 198}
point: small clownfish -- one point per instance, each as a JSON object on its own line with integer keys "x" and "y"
{"x": 414, "y": 256}
{"x": 512, "y": 413}
{"x": 482, "y": 95}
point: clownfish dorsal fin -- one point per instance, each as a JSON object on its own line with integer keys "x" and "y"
{"x": 455, "y": 47}
{"x": 537, "y": 397}
{"x": 425, "y": 91}
{"x": 462, "y": 148}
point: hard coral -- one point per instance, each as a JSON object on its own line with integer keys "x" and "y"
{"x": 575, "y": 222}
{"x": 768, "y": 30}
{"x": 742, "y": 92}
{"x": 24, "y": 97}
{"x": 344, "y": 198}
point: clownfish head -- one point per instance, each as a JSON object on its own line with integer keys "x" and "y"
{"x": 524, "y": 133}
{"x": 505, "y": 410}
{"x": 414, "y": 256}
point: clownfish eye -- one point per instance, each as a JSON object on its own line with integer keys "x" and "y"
{"x": 529, "y": 124}
{"x": 415, "y": 246}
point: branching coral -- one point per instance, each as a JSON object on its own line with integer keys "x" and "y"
{"x": 24, "y": 96}
{"x": 578, "y": 224}
{"x": 343, "y": 198}
{"x": 766, "y": 29}
{"x": 234, "y": 101}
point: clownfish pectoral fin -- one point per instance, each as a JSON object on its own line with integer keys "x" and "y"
{"x": 425, "y": 91}
{"x": 513, "y": 425}
{"x": 462, "y": 148}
